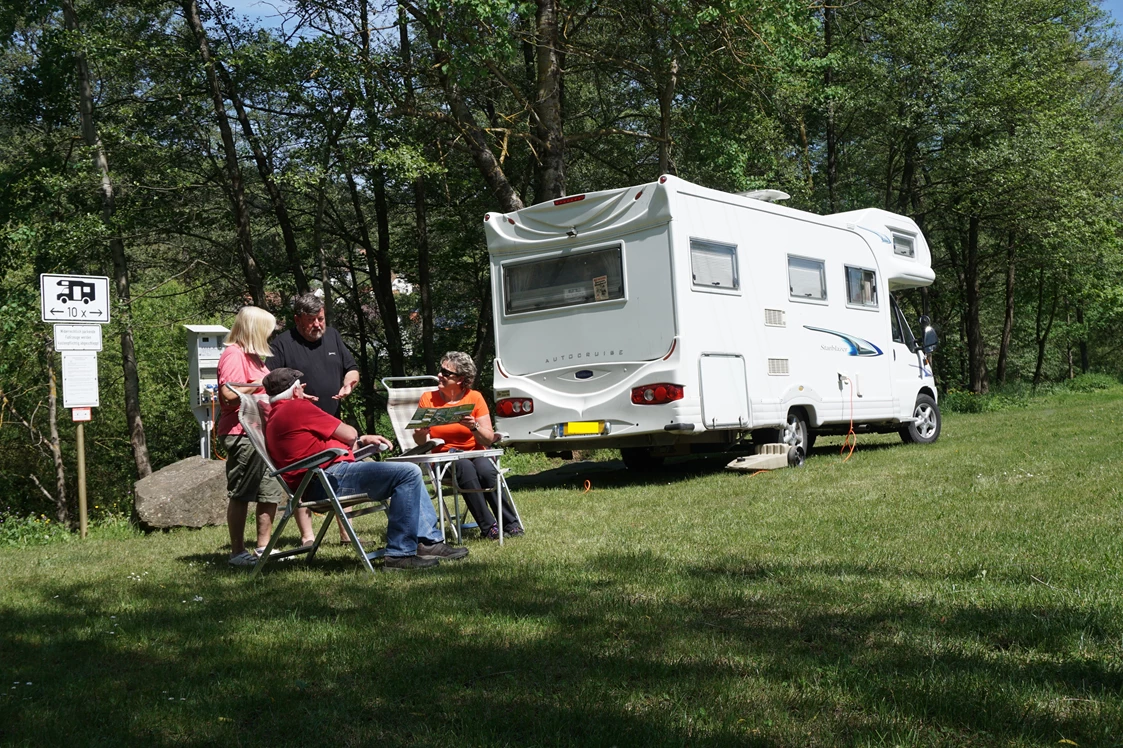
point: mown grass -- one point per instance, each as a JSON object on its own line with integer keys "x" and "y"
{"x": 964, "y": 593}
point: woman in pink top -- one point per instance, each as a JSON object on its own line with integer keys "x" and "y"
{"x": 243, "y": 360}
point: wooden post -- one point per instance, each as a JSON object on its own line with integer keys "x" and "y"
{"x": 81, "y": 479}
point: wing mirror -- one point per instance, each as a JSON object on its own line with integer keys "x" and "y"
{"x": 931, "y": 339}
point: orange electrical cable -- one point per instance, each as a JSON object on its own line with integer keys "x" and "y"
{"x": 588, "y": 486}
{"x": 851, "y": 439}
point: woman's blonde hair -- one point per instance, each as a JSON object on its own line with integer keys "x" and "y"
{"x": 251, "y": 330}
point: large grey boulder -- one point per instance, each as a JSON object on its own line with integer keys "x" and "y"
{"x": 188, "y": 493}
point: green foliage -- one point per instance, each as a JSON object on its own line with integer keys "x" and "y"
{"x": 1091, "y": 382}
{"x": 18, "y": 531}
{"x": 22, "y": 532}
{"x": 961, "y": 401}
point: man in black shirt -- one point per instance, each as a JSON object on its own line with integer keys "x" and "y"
{"x": 329, "y": 370}
{"x": 317, "y": 350}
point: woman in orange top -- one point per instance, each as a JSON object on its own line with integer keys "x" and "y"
{"x": 474, "y": 431}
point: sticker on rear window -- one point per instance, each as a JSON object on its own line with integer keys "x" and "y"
{"x": 600, "y": 288}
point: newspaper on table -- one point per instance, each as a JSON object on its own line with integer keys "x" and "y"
{"x": 425, "y": 418}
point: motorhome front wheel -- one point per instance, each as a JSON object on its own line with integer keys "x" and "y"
{"x": 926, "y": 428}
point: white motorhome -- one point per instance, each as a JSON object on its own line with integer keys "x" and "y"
{"x": 670, "y": 318}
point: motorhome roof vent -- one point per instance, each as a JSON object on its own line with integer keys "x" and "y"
{"x": 768, "y": 196}
{"x": 777, "y": 367}
{"x": 775, "y": 318}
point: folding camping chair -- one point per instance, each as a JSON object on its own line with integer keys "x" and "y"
{"x": 401, "y": 404}
{"x": 252, "y": 417}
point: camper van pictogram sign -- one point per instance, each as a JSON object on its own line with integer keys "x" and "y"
{"x": 76, "y": 299}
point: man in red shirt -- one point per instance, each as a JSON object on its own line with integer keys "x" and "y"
{"x": 297, "y": 429}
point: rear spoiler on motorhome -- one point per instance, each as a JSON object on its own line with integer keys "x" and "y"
{"x": 599, "y": 213}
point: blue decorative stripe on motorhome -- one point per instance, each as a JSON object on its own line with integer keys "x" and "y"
{"x": 856, "y": 346}
{"x": 884, "y": 239}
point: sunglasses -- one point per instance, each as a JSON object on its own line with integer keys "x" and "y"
{"x": 446, "y": 373}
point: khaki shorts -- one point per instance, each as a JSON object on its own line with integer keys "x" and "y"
{"x": 245, "y": 473}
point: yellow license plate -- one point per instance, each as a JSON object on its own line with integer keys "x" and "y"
{"x": 578, "y": 428}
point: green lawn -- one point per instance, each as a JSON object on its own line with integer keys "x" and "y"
{"x": 964, "y": 593}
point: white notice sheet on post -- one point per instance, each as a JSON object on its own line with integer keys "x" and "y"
{"x": 79, "y": 379}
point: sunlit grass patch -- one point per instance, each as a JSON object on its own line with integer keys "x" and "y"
{"x": 963, "y": 593}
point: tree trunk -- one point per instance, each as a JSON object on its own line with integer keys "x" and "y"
{"x": 976, "y": 349}
{"x": 420, "y": 213}
{"x": 484, "y": 348}
{"x": 321, "y": 252}
{"x": 1068, "y": 343}
{"x": 666, "y": 101}
{"x": 832, "y": 134}
{"x": 233, "y": 171}
{"x": 382, "y": 276}
{"x": 550, "y": 182}
{"x": 890, "y": 170}
{"x": 424, "y": 278}
{"x": 265, "y": 170}
{"x": 1042, "y": 327}
{"x": 1008, "y": 319}
{"x": 318, "y": 218}
{"x": 90, "y": 135}
{"x": 908, "y": 180}
{"x": 805, "y": 148}
{"x": 366, "y": 376}
{"x": 1085, "y": 367}
{"x": 62, "y": 512}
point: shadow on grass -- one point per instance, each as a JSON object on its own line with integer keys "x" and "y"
{"x": 634, "y": 649}
{"x": 613, "y": 473}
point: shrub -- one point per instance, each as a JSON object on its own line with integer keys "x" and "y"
{"x": 1091, "y": 382}
{"x": 960, "y": 401}
{"x": 31, "y": 530}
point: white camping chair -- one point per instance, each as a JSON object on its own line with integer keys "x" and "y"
{"x": 401, "y": 404}
{"x": 252, "y": 417}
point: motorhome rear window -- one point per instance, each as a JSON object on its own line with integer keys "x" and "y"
{"x": 807, "y": 278}
{"x": 714, "y": 265}
{"x": 568, "y": 280}
{"x": 861, "y": 287}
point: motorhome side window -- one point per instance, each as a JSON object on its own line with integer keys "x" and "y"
{"x": 714, "y": 265}
{"x": 807, "y": 279}
{"x": 861, "y": 287}
{"x": 902, "y": 333}
{"x": 562, "y": 281}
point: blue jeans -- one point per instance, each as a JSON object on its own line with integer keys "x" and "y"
{"x": 411, "y": 515}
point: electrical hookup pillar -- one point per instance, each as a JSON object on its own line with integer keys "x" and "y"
{"x": 204, "y": 346}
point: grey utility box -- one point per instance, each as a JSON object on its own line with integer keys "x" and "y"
{"x": 204, "y": 346}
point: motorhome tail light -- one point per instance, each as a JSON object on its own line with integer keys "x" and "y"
{"x": 564, "y": 200}
{"x": 512, "y": 407}
{"x": 656, "y": 394}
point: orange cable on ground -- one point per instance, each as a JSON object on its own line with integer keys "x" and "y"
{"x": 848, "y": 441}
{"x": 588, "y": 486}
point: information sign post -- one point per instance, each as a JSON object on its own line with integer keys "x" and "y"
{"x": 82, "y": 303}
